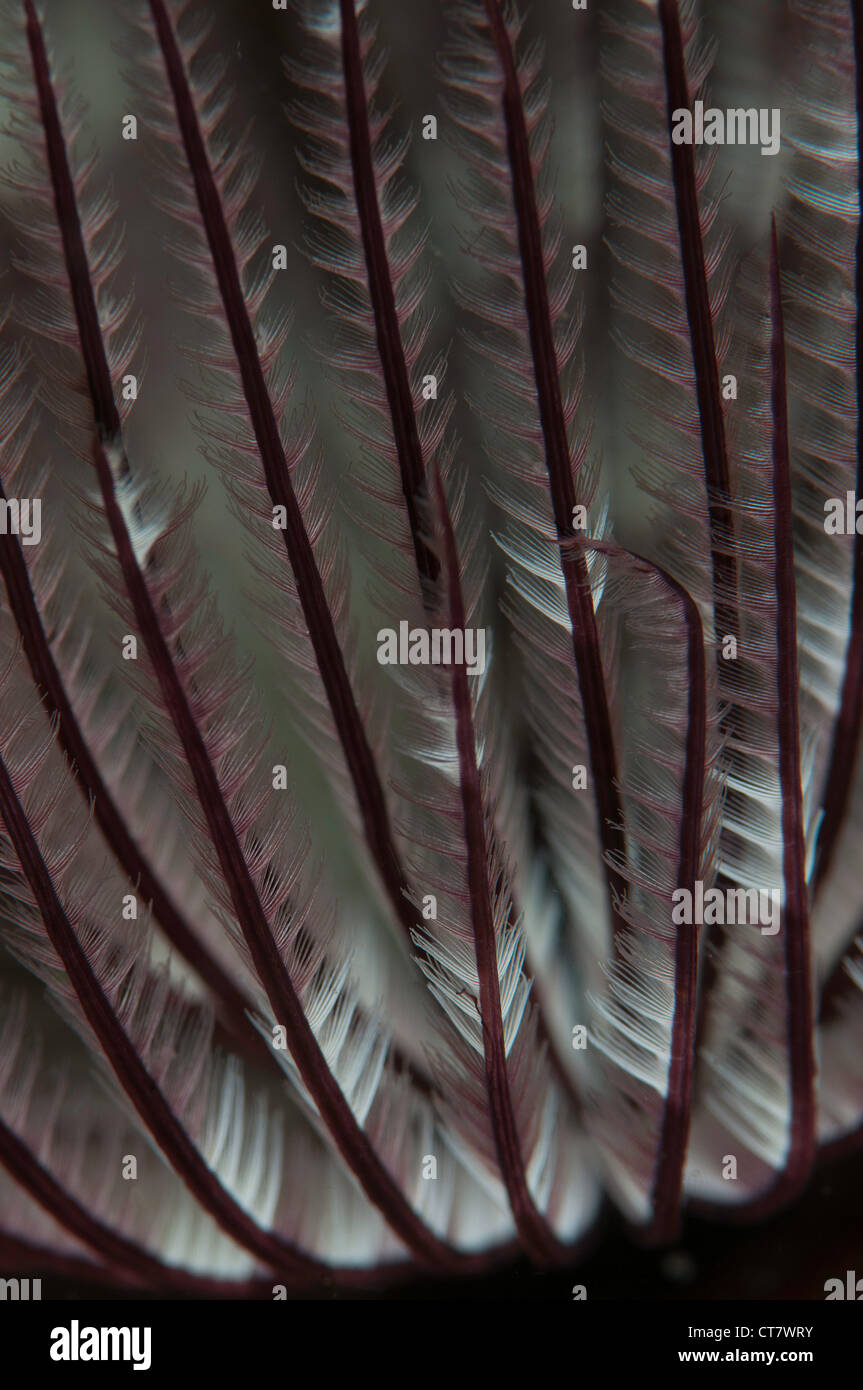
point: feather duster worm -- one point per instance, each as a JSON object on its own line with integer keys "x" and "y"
{"x": 425, "y": 1019}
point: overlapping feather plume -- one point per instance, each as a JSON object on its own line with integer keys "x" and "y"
{"x": 418, "y": 1008}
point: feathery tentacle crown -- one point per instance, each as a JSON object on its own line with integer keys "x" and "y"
{"x": 501, "y": 859}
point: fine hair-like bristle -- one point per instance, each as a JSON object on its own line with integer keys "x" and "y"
{"x": 426, "y": 1003}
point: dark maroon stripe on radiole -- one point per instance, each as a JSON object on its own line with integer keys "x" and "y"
{"x": 846, "y": 730}
{"x": 382, "y": 294}
{"x": 585, "y": 638}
